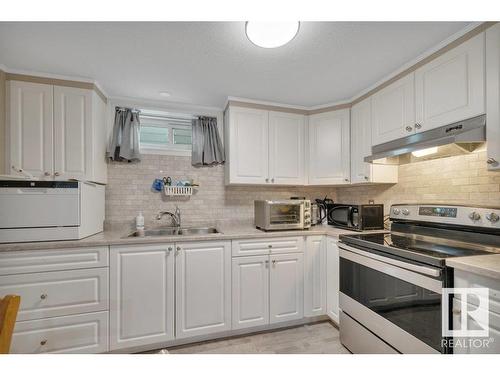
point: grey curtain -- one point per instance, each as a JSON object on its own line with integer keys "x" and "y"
{"x": 207, "y": 146}
{"x": 124, "y": 142}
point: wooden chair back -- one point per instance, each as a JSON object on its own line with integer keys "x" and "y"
{"x": 9, "y": 306}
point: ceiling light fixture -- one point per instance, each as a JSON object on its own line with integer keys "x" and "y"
{"x": 164, "y": 94}
{"x": 271, "y": 34}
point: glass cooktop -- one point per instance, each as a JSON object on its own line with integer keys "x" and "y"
{"x": 421, "y": 248}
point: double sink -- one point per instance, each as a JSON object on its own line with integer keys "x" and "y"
{"x": 174, "y": 232}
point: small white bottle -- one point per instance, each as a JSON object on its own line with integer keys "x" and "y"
{"x": 139, "y": 224}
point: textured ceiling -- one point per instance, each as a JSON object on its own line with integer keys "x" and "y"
{"x": 204, "y": 62}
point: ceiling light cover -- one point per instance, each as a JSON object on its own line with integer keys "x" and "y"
{"x": 271, "y": 34}
{"x": 165, "y": 94}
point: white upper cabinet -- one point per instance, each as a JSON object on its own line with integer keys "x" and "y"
{"x": 286, "y": 148}
{"x": 72, "y": 132}
{"x": 393, "y": 111}
{"x": 493, "y": 96}
{"x": 57, "y": 133}
{"x": 265, "y": 147}
{"x": 361, "y": 145}
{"x": 329, "y": 152}
{"x": 451, "y": 87}
{"x": 31, "y": 129}
{"x": 248, "y": 146}
{"x": 203, "y": 288}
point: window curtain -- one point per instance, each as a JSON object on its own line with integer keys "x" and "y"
{"x": 207, "y": 146}
{"x": 124, "y": 142}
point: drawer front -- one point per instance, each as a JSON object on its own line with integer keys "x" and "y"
{"x": 14, "y": 262}
{"x": 49, "y": 294}
{"x": 84, "y": 333}
{"x": 264, "y": 246}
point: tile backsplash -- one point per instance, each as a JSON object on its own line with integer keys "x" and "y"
{"x": 129, "y": 191}
{"x": 459, "y": 179}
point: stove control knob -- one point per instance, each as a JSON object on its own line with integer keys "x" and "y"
{"x": 405, "y": 211}
{"x": 396, "y": 211}
{"x": 474, "y": 216}
{"x": 493, "y": 217}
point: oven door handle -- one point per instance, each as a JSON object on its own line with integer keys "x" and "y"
{"x": 434, "y": 272}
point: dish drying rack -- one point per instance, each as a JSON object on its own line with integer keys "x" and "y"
{"x": 177, "y": 191}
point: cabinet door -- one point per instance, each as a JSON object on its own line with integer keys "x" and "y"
{"x": 286, "y": 148}
{"x": 31, "y": 129}
{"x": 248, "y": 149}
{"x": 361, "y": 141}
{"x": 451, "y": 87}
{"x": 493, "y": 96}
{"x": 250, "y": 291}
{"x": 72, "y": 133}
{"x": 393, "y": 111}
{"x": 203, "y": 288}
{"x": 332, "y": 279}
{"x": 286, "y": 287}
{"x": 329, "y": 152}
{"x": 141, "y": 295}
{"x": 315, "y": 276}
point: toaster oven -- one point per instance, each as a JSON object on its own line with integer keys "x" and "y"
{"x": 283, "y": 214}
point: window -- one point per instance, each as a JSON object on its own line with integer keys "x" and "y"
{"x": 165, "y": 133}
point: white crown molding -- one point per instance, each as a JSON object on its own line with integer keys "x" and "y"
{"x": 53, "y": 76}
{"x": 154, "y": 104}
{"x": 264, "y": 102}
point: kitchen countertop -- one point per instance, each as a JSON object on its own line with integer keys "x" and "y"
{"x": 484, "y": 265}
{"x": 119, "y": 237}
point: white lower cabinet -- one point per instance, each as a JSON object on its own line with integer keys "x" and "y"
{"x": 250, "y": 294}
{"x": 286, "y": 291}
{"x": 203, "y": 288}
{"x": 141, "y": 295}
{"x": 332, "y": 279}
{"x": 315, "y": 276}
{"x": 83, "y": 333}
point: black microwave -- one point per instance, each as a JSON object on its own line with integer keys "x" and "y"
{"x": 356, "y": 217}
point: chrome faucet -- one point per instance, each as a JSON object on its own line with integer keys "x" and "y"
{"x": 176, "y": 216}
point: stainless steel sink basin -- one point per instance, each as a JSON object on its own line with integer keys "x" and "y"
{"x": 174, "y": 232}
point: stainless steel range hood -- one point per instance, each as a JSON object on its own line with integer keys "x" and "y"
{"x": 449, "y": 140}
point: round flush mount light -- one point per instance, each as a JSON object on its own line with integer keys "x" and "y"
{"x": 271, "y": 34}
{"x": 165, "y": 94}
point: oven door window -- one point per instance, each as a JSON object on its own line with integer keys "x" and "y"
{"x": 412, "y": 308}
{"x": 285, "y": 214}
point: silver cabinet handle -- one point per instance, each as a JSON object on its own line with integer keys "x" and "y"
{"x": 366, "y": 178}
{"x": 272, "y": 180}
{"x": 409, "y": 128}
{"x": 491, "y": 161}
{"x": 418, "y": 126}
{"x": 46, "y": 174}
{"x": 178, "y": 249}
{"x": 170, "y": 248}
{"x": 267, "y": 263}
{"x": 274, "y": 262}
{"x": 43, "y": 296}
{"x": 270, "y": 246}
{"x": 43, "y": 342}
{"x": 346, "y": 179}
{"x": 57, "y": 174}
{"x": 267, "y": 180}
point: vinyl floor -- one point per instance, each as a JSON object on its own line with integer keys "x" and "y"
{"x": 317, "y": 338}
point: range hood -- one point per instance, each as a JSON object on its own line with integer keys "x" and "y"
{"x": 454, "y": 139}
